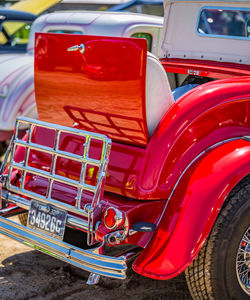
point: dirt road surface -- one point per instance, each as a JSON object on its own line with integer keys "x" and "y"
{"x": 28, "y": 274}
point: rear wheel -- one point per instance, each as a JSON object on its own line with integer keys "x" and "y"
{"x": 222, "y": 268}
{"x": 243, "y": 262}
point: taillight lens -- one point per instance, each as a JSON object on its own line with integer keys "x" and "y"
{"x": 113, "y": 218}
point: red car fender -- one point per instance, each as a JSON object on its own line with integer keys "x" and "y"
{"x": 192, "y": 209}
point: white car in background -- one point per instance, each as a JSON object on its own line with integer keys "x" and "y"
{"x": 17, "y": 97}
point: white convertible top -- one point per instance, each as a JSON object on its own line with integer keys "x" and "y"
{"x": 181, "y": 39}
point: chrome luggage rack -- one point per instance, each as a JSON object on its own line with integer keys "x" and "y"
{"x": 23, "y": 167}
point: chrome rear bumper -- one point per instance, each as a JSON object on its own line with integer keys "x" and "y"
{"x": 88, "y": 260}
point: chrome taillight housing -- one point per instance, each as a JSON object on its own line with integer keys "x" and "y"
{"x": 113, "y": 218}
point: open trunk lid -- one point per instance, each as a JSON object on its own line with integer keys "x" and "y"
{"x": 98, "y": 86}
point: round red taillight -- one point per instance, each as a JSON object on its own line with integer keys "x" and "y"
{"x": 113, "y": 218}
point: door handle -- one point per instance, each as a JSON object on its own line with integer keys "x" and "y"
{"x": 81, "y": 48}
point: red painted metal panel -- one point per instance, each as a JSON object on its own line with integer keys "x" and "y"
{"x": 100, "y": 90}
{"x": 213, "y": 69}
{"x": 191, "y": 212}
{"x": 206, "y": 115}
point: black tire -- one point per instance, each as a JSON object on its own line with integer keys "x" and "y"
{"x": 23, "y": 218}
{"x": 213, "y": 273}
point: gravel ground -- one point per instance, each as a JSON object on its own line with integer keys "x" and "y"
{"x": 26, "y": 274}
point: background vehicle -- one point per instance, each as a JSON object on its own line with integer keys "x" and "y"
{"x": 101, "y": 5}
{"x": 135, "y": 175}
{"x": 16, "y": 77}
{"x": 41, "y": 6}
{"x": 33, "y": 6}
{"x": 151, "y": 7}
{"x": 15, "y": 28}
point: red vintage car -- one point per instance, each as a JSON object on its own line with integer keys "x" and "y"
{"x": 117, "y": 170}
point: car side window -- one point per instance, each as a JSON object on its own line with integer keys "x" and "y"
{"x": 144, "y": 35}
{"x": 229, "y": 23}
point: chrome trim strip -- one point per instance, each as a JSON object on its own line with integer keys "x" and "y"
{"x": 89, "y": 260}
{"x": 189, "y": 165}
{"x": 198, "y": 156}
{"x": 8, "y": 209}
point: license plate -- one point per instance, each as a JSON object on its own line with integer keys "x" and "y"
{"x": 47, "y": 219}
